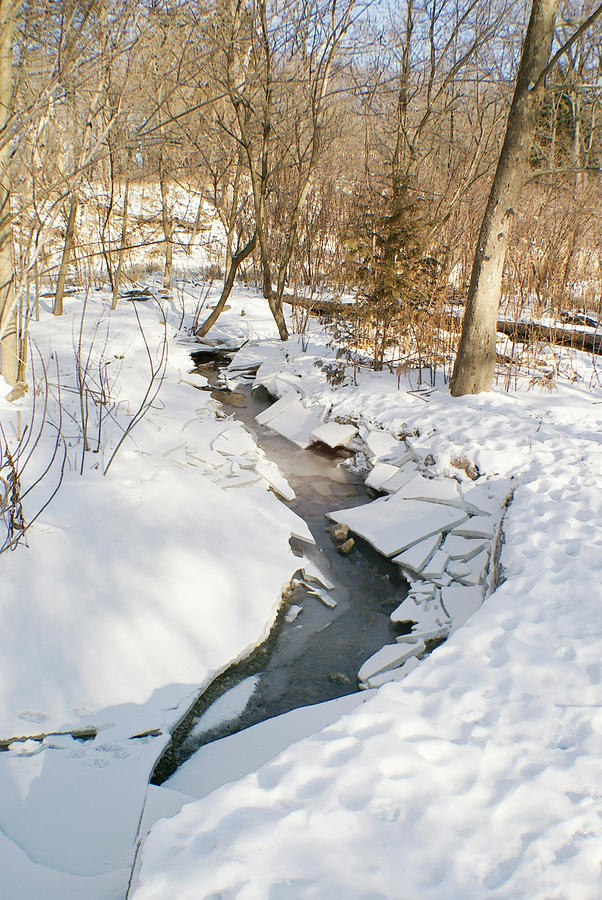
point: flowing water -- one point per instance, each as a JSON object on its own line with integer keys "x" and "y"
{"x": 315, "y": 656}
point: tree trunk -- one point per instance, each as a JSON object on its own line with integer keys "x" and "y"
{"x": 67, "y": 248}
{"x": 237, "y": 259}
{"x": 9, "y": 341}
{"x": 475, "y": 362}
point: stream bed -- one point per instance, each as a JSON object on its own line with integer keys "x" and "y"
{"x": 314, "y": 651}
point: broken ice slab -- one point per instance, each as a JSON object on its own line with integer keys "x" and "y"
{"x": 436, "y": 565}
{"x": 297, "y": 422}
{"x": 380, "y": 474}
{"x": 392, "y": 524}
{"x": 398, "y": 480}
{"x": 314, "y": 573}
{"x": 396, "y": 674}
{"x": 460, "y": 602}
{"x": 472, "y": 571}
{"x": 417, "y": 556}
{"x": 250, "y": 357}
{"x": 389, "y": 657}
{"x": 436, "y": 490}
{"x": 333, "y": 434}
{"x": 424, "y": 634}
{"x": 477, "y": 527}
{"x": 292, "y": 613}
{"x": 234, "y": 441}
{"x": 277, "y": 408}
{"x": 320, "y": 595}
{"x": 458, "y": 547}
{"x": 380, "y": 443}
{"x": 275, "y": 479}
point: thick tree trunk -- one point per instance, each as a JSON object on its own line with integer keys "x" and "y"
{"x": 67, "y": 248}
{"x": 475, "y": 362}
{"x": 235, "y": 262}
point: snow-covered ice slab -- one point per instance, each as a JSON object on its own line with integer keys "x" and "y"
{"x": 392, "y": 524}
{"x": 389, "y": 657}
{"x": 274, "y": 477}
{"x": 312, "y": 572}
{"x": 381, "y": 443}
{"x": 461, "y": 602}
{"x": 235, "y": 441}
{"x": 436, "y": 566}
{"x": 297, "y": 422}
{"x": 380, "y": 474}
{"x": 458, "y": 547}
{"x": 417, "y": 556}
{"x": 334, "y": 434}
{"x": 277, "y": 408}
{"x": 472, "y": 571}
{"x": 250, "y": 357}
{"x": 477, "y": 527}
{"x": 396, "y": 674}
{"x": 437, "y": 490}
{"x": 398, "y": 480}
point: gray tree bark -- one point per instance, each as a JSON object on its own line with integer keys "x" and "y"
{"x": 474, "y": 366}
{"x": 66, "y": 257}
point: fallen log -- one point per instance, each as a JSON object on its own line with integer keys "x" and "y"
{"x": 580, "y": 340}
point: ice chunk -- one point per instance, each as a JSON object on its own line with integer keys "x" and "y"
{"x": 417, "y": 556}
{"x": 396, "y": 674}
{"x": 477, "y": 527}
{"x": 437, "y": 490}
{"x": 392, "y": 524}
{"x": 250, "y": 357}
{"x": 297, "y": 422}
{"x": 389, "y": 657}
{"x": 274, "y": 477}
{"x": 471, "y": 571}
{"x": 458, "y": 547}
{"x": 234, "y": 441}
{"x": 398, "y": 480}
{"x": 381, "y": 443}
{"x": 460, "y": 602}
{"x": 381, "y": 473}
{"x": 424, "y": 634}
{"x": 333, "y": 434}
{"x": 280, "y": 406}
{"x": 314, "y": 573}
{"x": 436, "y": 567}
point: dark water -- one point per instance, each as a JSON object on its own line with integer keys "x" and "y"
{"x": 317, "y": 656}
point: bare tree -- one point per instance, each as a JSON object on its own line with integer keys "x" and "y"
{"x": 475, "y": 361}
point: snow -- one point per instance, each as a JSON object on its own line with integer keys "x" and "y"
{"x": 473, "y": 772}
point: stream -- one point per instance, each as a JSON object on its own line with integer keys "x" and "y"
{"x": 314, "y": 651}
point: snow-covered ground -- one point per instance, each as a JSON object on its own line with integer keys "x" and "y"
{"x": 476, "y": 775}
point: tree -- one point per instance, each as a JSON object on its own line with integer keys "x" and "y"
{"x": 475, "y": 361}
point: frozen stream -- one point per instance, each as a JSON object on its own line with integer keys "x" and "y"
{"x": 315, "y": 656}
